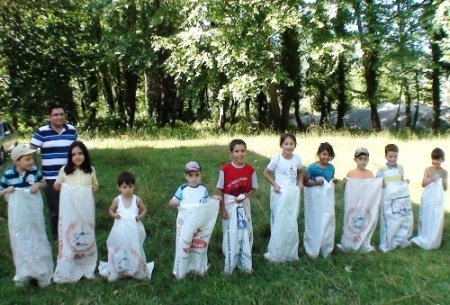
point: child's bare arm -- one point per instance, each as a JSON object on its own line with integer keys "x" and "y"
{"x": 222, "y": 211}
{"x": 7, "y": 190}
{"x": 174, "y": 202}
{"x": 426, "y": 178}
{"x": 142, "y": 209}
{"x": 113, "y": 209}
{"x": 268, "y": 176}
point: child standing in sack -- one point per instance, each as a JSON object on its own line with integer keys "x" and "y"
{"x": 362, "y": 199}
{"x": 29, "y": 243}
{"x": 432, "y": 208}
{"x": 197, "y": 215}
{"x": 125, "y": 243}
{"x": 284, "y": 200}
{"x": 396, "y": 216}
{"x": 320, "y": 223}
{"x": 236, "y": 184}
{"x": 77, "y": 247}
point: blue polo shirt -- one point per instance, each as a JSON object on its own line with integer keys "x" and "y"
{"x": 12, "y": 177}
{"x": 315, "y": 171}
{"x": 54, "y": 147}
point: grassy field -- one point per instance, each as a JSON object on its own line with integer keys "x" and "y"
{"x": 407, "y": 276}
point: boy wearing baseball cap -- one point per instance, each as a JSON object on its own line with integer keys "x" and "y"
{"x": 193, "y": 191}
{"x": 30, "y": 247}
{"x": 24, "y": 173}
{"x": 361, "y": 159}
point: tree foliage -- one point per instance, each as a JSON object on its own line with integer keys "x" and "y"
{"x": 122, "y": 63}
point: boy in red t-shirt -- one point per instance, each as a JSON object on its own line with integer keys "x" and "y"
{"x": 236, "y": 184}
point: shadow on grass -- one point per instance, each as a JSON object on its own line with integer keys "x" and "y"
{"x": 402, "y": 276}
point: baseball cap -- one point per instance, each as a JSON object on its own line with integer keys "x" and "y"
{"x": 21, "y": 150}
{"x": 192, "y": 166}
{"x": 361, "y": 151}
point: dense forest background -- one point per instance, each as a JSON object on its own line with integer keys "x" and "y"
{"x": 126, "y": 64}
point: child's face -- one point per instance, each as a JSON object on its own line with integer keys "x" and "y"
{"x": 126, "y": 190}
{"x": 238, "y": 154}
{"x": 361, "y": 161}
{"x": 436, "y": 163}
{"x": 288, "y": 146}
{"x": 77, "y": 156}
{"x": 24, "y": 163}
{"x": 193, "y": 178}
{"x": 392, "y": 157}
{"x": 324, "y": 157}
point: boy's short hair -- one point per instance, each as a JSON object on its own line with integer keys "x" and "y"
{"x": 127, "y": 178}
{"x": 437, "y": 154}
{"x": 21, "y": 150}
{"x": 235, "y": 142}
{"x": 391, "y": 147}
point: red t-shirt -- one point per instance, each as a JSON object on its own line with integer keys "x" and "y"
{"x": 237, "y": 180}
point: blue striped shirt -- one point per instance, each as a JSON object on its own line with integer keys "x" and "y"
{"x": 12, "y": 177}
{"x": 54, "y": 147}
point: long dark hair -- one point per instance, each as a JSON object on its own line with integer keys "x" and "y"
{"x": 85, "y": 166}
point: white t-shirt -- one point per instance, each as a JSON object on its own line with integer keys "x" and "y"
{"x": 189, "y": 194}
{"x": 285, "y": 170}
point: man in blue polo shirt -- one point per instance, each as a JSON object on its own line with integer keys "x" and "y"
{"x": 54, "y": 140}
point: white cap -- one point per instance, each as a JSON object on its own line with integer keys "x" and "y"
{"x": 361, "y": 151}
{"x": 21, "y": 150}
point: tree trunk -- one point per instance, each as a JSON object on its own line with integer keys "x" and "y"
{"x": 370, "y": 61}
{"x": 261, "y": 101}
{"x": 274, "y": 107}
{"x": 436, "y": 53}
{"x": 290, "y": 62}
{"x": 342, "y": 99}
{"x": 416, "y": 113}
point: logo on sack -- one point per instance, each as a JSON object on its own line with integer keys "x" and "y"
{"x": 80, "y": 237}
{"x": 241, "y": 218}
{"x": 357, "y": 220}
{"x": 198, "y": 241}
{"x": 401, "y": 206}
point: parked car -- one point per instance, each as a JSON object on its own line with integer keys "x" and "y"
{"x": 8, "y": 139}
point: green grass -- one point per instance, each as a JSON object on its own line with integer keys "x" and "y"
{"x": 406, "y": 276}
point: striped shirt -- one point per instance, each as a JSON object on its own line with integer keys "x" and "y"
{"x": 13, "y": 178}
{"x": 391, "y": 173}
{"x": 54, "y": 147}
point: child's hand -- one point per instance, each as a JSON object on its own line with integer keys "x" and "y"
{"x": 57, "y": 186}
{"x": 34, "y": 188}
{"x": 277, "y": 188}
{"x": 406, "y": 181}
{"x": 117, "y": 216}
{"x": 9, "y": 189}
{"x": 138, "y": 218}
{"x": 240, "y": 198}
{"x": 217, "y": 197}
{"x": 95, "y": 188}
{"x": 224, "y": 214}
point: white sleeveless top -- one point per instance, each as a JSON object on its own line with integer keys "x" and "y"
{"x": 128, "y": 213}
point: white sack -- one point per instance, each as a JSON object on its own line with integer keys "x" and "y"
{"x": 431, "y": 216}
{"x": 320, "y": 223}
{"x": 237, "y": 235}
{"x": 396, "y": 218}
{"x": 30, "y": 247}
{"x": 362, "y": 204}
{"x": 126, "y": 257}
{"x": 77, "y": 253}
{"x": 195, "y": 224}
{"x": 284, "y": 210}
